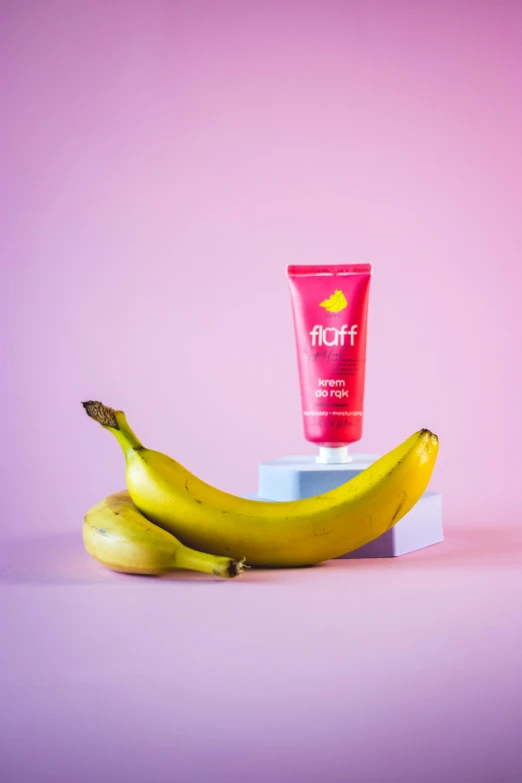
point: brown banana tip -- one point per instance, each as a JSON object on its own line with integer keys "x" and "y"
{"x": 101, "y": 413}
{"x": 236, "y": 567}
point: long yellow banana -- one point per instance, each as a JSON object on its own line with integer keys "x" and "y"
{"x": 117, "y": 534}
{"x": 294, "y": 533}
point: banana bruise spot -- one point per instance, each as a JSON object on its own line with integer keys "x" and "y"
{"x": 101, "y": 413}
{"x": 189, "y": 491}
{"x": 394, "y": 517}
{"x": 397, "y": 510}
{"x": 101, "y": 530}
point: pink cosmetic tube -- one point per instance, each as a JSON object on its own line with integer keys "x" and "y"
{"x": 330, "y": 307}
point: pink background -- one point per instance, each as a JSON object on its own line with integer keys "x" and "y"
{"x": 161, "y": 164}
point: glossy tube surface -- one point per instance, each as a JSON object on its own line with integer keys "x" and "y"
{"x": 330, "y": 307}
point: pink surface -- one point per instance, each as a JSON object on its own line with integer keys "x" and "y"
{"x": 398, "y": 670}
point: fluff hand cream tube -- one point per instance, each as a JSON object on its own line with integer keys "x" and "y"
{"x": 330, "y": 308}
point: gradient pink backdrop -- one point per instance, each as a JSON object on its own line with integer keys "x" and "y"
{"x": 163, "y": 162}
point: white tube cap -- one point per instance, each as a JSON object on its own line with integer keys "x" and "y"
{"x": 333, "y": 456}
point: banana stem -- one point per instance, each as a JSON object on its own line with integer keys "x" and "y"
{"x": 192, "y": 560}
{"x": 126, "y": 433}
{"x": 125, "y": 436}
{"x": 115, "y": 422}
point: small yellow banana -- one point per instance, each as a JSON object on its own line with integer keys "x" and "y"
{"x": 294, "y": 533}
{"x": 335, "y": 303}
{"x": 117, "y": 534}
